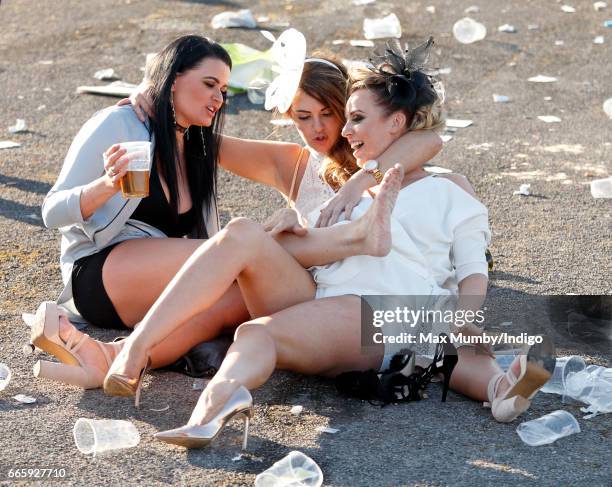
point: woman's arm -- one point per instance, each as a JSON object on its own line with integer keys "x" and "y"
{"x": 267, "y": 162}
{"x": 83, "y": 185}
{"x": 411, "y": 151}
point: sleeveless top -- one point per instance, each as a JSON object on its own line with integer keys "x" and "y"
{"x": 313, "y": 191}
{"x": 157, "y": 212}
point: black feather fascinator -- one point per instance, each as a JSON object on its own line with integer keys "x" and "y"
{"x": 408, "y": 82}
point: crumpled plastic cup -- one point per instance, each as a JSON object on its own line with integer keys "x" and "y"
{"x": 382, "y": 28}
{"x": 548, "y": 428}
{"x": 563, "y": 367}
{"x": 592, "y": 386}
{"x": 467, "y": 31}
{"x": 295, "y": 470}
{"x": 99, "y": 435}
{"x": 5, "y": 376}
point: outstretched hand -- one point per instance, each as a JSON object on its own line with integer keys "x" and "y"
{"x": 285, "y": 220}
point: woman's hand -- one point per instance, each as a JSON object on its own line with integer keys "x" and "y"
{"x": 115, "y": 166}
{"x": 345, "y": 200}
{"x": 140, "y": 100}
{"x": 285, "y": 220}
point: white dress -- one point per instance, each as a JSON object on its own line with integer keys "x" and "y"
{"x": 313, "y": 191}
{"x": 439, "y": 236}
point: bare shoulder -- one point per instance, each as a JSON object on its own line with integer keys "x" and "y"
{"x": 461, "y": 181}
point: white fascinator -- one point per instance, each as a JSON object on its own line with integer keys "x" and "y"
{"x": 288, "y": 54}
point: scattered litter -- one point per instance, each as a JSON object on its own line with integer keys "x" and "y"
{"x": 598, "y": 40}
{"x": 533, "y": 27}
{"x": 101, "y": 435}
{"x": 361, "y": 43}
{"x": 607, "y": 23}
{"x": 510, "y": 29}
{"x": 47, "y": 89}
{"x": 547, "y": 98}
{"x": 524, "y": 190}
{"x": 33, "y": 216}
{"x": 542, "y": 79}
{"x": 441, "y": 71}
{"x": 338, "y": 42}
{"x": 568, "y": 148}
{"x": 607, "y": 107}
{"x": 105, "y": 74}
{"x": 431, "y": 9}
{"x": 237, "y": 458}
{"x": 199, "y": 384}
{"x": 483, "y": 146}
{"x": 506, "y": 323}
{"x": 8, "y": 144}
{"x": 116, "y": 88}
{"x": 381, "y": 28}
{"x": 263, "y": 18}
{"x": 437, "y": 170}
{"x": 548, "y": 428}
{"x": 161, "y": 409}
{"x": 297, "y": 410}
{"x": 20, "y": 97}
{"x": 568, "y": 9}
{"x": 20, "y": 126}
{"x": 512, "y": 64}
{"x": 241, "y": 18}
{"x": 467, "y": 31}
{"x": 549, "y": 118}
{"x": 600, "y": 6}
{"x": 46, "y": 62}
{"x": 601, "y": 188}
{"x": 461, "y": 124}
{"x": 22, "y": 398}
{"x": 446, "y": 137}
{"x": 474, "y": 9}
{"x": 41, "y": 107}
{"x": 282, "y": 122}
{"x": 27, "y": 349}
{"x": 500, "y": 99}
{"x": 5, "y": 376}
{"x": 296, "y": 469}
{"x": 559, "y": 43}
{"x": 326, "y": 429}
{"x": 363, "y": 2}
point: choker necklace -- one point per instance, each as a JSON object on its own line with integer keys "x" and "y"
{"x": 180, "y": 128}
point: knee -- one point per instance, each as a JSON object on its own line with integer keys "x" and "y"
{"x": 245, "y": 231}
{"x": 256, "y": 332}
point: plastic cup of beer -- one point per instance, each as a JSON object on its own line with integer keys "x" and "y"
{"x": 135, "y": 183}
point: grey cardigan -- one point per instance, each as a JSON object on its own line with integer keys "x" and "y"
{"x": 111, "y": 222}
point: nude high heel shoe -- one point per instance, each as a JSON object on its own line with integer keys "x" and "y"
{"x": 125, "y": 386}
{"x": 198, "y": 436}
{"x": 526, "y": 375}
{"x": 72, "y": 370}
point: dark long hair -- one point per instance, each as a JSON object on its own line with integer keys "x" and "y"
{"x": 181, "y": 55}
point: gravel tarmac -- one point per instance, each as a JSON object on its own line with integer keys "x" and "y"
{"x": 555, "y": 242}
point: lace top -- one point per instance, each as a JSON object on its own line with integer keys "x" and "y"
{"x": 313, "y": 191}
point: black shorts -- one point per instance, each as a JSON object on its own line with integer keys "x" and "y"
{"x": 90, "y": 297}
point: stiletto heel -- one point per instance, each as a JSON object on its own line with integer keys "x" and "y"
{"x": 525, "y": 376}
{"x": 198, "y": 436}
{"x": 124, "y": 386}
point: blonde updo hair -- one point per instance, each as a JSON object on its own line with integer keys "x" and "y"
{"x": 423, "y": 113}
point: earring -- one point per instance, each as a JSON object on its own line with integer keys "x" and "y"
{"x": 203, "y": 143}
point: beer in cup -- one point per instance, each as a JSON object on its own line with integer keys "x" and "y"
{"x": 135, "y": 183}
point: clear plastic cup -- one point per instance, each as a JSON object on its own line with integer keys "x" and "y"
{"x": 135, "y": 183}
{"x": 98, "y": 435}
{"x": 5, "y": 376}
{"x": 382, "y": 28}
{"x": 295, "y": 470}
{"x": 601, "y": 188}
{"x": 467, "y": 31}
{"x": 592, "y": 386}
{"x": 563, "y": 367}
{"x": 548, "y": 428}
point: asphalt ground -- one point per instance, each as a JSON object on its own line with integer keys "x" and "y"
{"x": 556, "y": 241}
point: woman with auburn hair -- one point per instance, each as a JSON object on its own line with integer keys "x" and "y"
{"x": 134, "y": 273}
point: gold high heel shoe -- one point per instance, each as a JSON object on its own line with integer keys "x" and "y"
{"x": 125, "y": 386}
{"x": 535, "y": 367}
{"x": 198, "y": 436}
{"x": 72, "y": 370}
